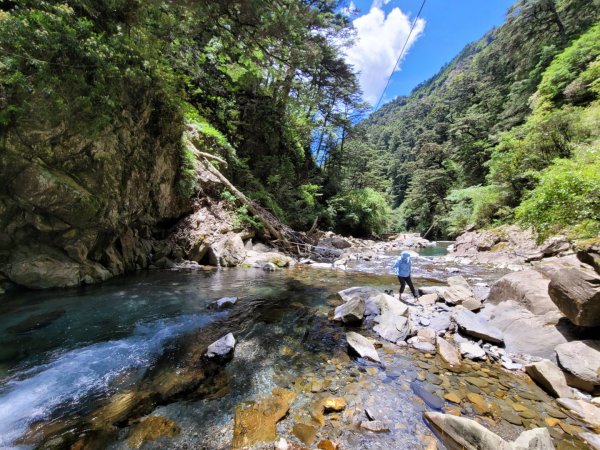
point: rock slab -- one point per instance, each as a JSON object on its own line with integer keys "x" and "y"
{"x": 362, "y": 346}
{"x": 582, "y": 360}
{"x": 475, "y": 326}
{"x": 549, "y": 376}
{"x": 352, "y": 311}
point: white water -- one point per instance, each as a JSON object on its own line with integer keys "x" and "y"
{"x": 74, "y": 375}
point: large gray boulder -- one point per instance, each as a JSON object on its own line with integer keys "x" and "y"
{"x": 466, "y": 434}
{"x": 362, "y": 346}
{"x": 576, "y": 292}
{"x": 582, "y": 360}
{"x": 227, "y": 252}
{"x": 475, "y": 326}
{"x": 549, "y": 376}
{"x": 529, "y": 288}
{"x": 352, "y": 311}
{"x": 525, "y": 332}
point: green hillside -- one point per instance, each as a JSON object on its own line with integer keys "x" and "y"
{"x": 507, "y": 131}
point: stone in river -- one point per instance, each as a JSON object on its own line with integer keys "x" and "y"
{"x": 424, "y": 347}
{"x": 471, "y": 350}
{"x": 362, "y": 346}
{"x": 458, "y": 280}
{"x": 431, "y": 400}
{"x": 535, "y": 439}
{"x": 479, "y": 382}
{"x": 475, "y": 326}
{"x": 326, "y": 444}
{"x": 511, "y": 417}
{"x": 334, "y": 404}
{"x": 221, "y": 347}
{"x": 582, "y": 360}
{"x": 353, "y": 311}
{"x": 223, "y": 303}
{"x": 392, "y": 327}
{"x": 448, "y": 352}
{"x": 453, "y": 397}
{"x": 305, "y": 432}
{"x": 256, "y": 421}
{"x": 550, "y": 377}
{"x": 374, "y": 425}
{"x": 150, "y": 429}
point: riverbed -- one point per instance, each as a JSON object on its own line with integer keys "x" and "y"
{"x": 80, "y": 367}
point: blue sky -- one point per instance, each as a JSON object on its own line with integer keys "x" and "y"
{"x": 446, "y": 27}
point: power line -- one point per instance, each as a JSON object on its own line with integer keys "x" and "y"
{"x": 401, "y": 53}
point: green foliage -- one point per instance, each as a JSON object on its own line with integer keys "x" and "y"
{"x": 476, "y": 205}
{"x": 228, "y": 197}
{"x": 360, "y": 212}
{"x": 242, "y": 216}
{"x": 567, "y": 198}
{"x": 188, "y": 178}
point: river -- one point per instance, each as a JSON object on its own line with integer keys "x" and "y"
{"x": 78, "y": 367}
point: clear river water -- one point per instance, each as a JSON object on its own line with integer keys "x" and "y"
{"x": 80, "y": 367}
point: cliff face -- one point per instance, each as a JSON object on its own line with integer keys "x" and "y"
{"x": 77, "y": 210}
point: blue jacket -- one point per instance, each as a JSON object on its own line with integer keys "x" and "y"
{"x": 402, "y": 266}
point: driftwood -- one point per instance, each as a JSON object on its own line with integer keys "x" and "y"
{"x": 282, "y": 235}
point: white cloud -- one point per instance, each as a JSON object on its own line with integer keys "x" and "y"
{"x": 379, "y": 40}
{"x": 350, "y": 10}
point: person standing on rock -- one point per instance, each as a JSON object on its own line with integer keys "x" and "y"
{"x": 402, "y": 268}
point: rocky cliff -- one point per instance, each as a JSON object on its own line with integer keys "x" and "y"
{"x": 76, "y": 209}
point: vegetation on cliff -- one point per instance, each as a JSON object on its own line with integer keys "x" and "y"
{"x": 508, "y": 131}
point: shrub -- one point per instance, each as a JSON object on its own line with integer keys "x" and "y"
{"x": 360, "y": 212}
{"x": 567, "y": 198}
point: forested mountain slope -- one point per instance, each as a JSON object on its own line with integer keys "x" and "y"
{"x": 507, "y": 131}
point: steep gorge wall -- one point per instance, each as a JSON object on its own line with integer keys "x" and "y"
{"x": 76, "y": 209}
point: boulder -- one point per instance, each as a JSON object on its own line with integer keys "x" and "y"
{"x": 555, "y": 245}
{"x": 546, "y": 374}
{"x": 270, "y": 267}
{"x": 424, "y": 347}
{"x": 535, "y": 439}
{"x": 576, "y": 292}
{"x": 387, "y": 304}
{"x": 336, "y": 242}
{"x": 458, "y": 280}
{"x": 582, "y": 360}
{"x": 448, "y": 352}
{"x": 525, "y": 332}
{"x": 459, "y": 432}
{"x": 529, "y": 288}
{"x": 227, "y": 252}
{"x": 223, "y": 303}
{"x": 393, "y": 328}
{"x": 261, "y": 258}
{"x": 475, "y": 326}
{"x": 428, "y": 299}
{"x": 222, "y": 347}
{"x": 459, "y": 294}
{"x": 471, "y": 350}
{"x": 352, "y": 311}
{"x": 586, "y": 411}
{"x": 362, "y": 346}
{"x": 363, "y": 292}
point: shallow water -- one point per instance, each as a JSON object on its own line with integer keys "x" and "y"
{"x": 74, "y": 362}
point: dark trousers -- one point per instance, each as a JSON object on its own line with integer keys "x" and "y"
{"x": 403, "y": 282}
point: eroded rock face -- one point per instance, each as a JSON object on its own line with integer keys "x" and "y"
{"x": 84, "y": 208}
{"x": 576, "y": 292}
